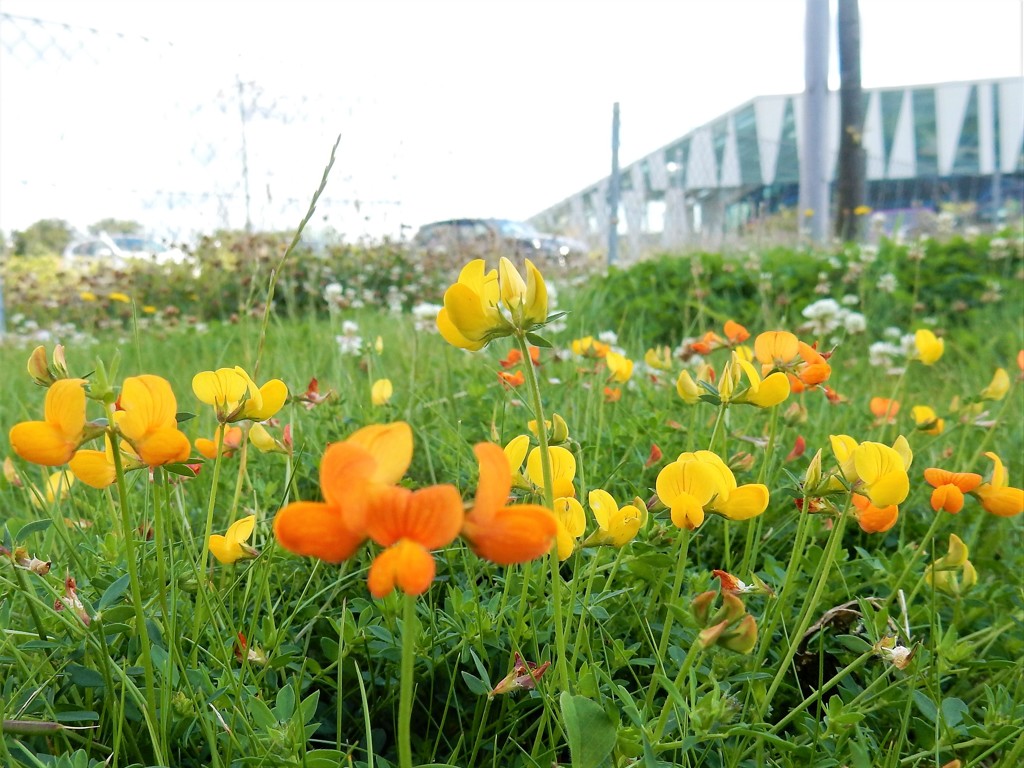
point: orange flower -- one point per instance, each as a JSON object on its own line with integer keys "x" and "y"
{"x": 950, "y": 488}
{"x": 54, "y": 440}
{"x": 709, "y": 342}
{"x": 496, "y": 531}
{"x": 874, "y": 519}
{"x": 512, "y": 380}
{"x": 997, "y": 496}
{"x": 410, "y": 524}
{"x": 735, "y": 333}
{"x": 884, "y": 410}
{"x": 147, "y": 419}
{"x": 355, "y": 475}
{"x": 231, "y": 442}
{"x": 515, "y": 357}
{"x": 776, "y": 349}
{"x": 612, "y": 394}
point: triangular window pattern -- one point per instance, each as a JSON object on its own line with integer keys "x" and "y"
{"x": 788, "y": 169}
{"x": 966, "y": 161}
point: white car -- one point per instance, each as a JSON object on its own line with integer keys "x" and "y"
{"x": 118, "y": 250}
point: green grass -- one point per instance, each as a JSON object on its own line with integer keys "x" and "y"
{"x": 158, "y": 677}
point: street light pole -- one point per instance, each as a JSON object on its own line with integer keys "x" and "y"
{"x": 613, "y": 192}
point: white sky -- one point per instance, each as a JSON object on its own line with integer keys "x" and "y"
{"x": 487, "y": 108}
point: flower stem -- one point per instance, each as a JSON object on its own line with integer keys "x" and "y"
{"x": 128, "y": 531}
{"x": 820, "y": 577}
{"x": 410, "y": 628}
{"x": 677, "y": 584}
{"x": 533, "y": 384}
{"x": 691, "y": 655}
{"x": 204, "y": 558}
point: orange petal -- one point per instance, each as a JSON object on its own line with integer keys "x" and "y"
{"x": 164, "y": 446}
{"x": 94, "y": 468}
{"x": 316, "y": 530}
{"x": 874, "y": 519}
{"x": 391, "y": 447}
{"x": 41, "y": 443}
{"x": 512, "y": 534}
{"x": 344, "y": 470}
{"x": 64, "y": 407}
{"x": 494, "y": 484}
{"x": 947, "y": 497}
{"x": 406, "y": 565}
{"x": 432, "y": 516}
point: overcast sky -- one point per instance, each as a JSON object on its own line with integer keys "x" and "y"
{"x": 486, "y": 108}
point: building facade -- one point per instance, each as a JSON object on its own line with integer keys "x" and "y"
{"x": 926, "y": 146}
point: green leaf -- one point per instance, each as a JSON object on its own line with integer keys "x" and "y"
{"x": 285, "y": 705}
{"x": 180, "y": 469}
{"x": 590, "y": 731}
{"x": 83, "y": 676}
{"x": 475, "y": 684}
{"x": 926, "y": 706}
{"x": 953, "y": 711}
{"x": 183, "y": 416}
{"x": 76, "y": 716}
{"x": 113, "y": 593}
{"x": 29, "y": 528}
{"x": 538, "y": 341}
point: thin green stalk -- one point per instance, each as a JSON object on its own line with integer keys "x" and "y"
{"x": 820, "y": 577}
{"x": 128, "y": 531}
{"x": 754, "y": 529}
{"x": 410, "y": 627}
{"x": 200, "y": 615}
{"x": 533, "y": 385}
{"x": 691, "y": 655}
{"x": 666, "y": 631}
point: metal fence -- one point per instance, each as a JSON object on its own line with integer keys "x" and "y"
{"x": 96, "y": 124}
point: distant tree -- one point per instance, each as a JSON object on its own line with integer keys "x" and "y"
{"x": 115, "y": 227}
{"x": 47, "y": 236}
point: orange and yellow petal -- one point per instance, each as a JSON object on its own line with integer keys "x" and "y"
{"x": 42, "y": 443}
{"x": 406, "y": 565}
{"x": 511, "y": 535}
{"x": 391, "y": 447}
{"x": 314, "y": 529}
{"x": 94, "y": 468}
{"x": 874, "y": 519}
{"x": 948, "y": 498}
{"x": 431, "y": 516}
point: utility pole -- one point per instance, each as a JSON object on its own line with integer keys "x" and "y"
{"x": 613, "y": 192}
{"x": 243, "y": 114}
{"x": 851, "y": 186}
{"x": 814, "y": 176}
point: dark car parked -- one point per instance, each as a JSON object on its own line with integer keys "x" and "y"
{"x": 482, "y": 238}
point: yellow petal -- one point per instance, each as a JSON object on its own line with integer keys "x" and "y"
{"x": 272, "y": 397}
{"x": 516, "y": 450}
{"x": 240, "y": 530}
{"x": 222, "y": 388}
{"x": 745, "y": 502}
{"x": 64, "y": 407}
{"x": 453, "y": 336}
{"x": 390, "y": 445}
{"x": 381, "y": 391}
{"x": 94, "y": 468}
{"x": 513, "y": 287}
{"x": 688, "y": 389}
{"x": 603, "y": 507}
{"x": 536, "y": 309}
{"x": 467, "y": 312}
{"x": 998, "y": 387}
{"x": 929, "y": 347}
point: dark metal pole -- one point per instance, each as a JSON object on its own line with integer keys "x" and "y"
{"x": 613, "y": 192}
{"x": 851, "y": 184}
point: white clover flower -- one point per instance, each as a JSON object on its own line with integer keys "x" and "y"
{"x": 349, "y": 345}
{"x": 333, "y": 293}
{"x": 855, "y": 322}
{"x": 609, "y": 337}
{"x": 868, "y": 254}
{"x": 349, "y": 327}
{"x": 887, "y": 283}
{"x": 850, "y": 300}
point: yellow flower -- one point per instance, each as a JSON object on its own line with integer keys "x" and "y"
{"x": 121, "y": 297}
{"x": 232, "y": 547}
{"x": 149, "y": 309}
{"x": 381, "y": 392}
{"x": 619, "y": 366}
{"x": 471, "y": 317}
{"x": 96, "y": 468}
{"x": 148, "y": 421}
{"x": 875, "y": 470}
{"x": 54, "y": 440}
{"x": 688, "y": 389}
{"x": 226, "y": 389}
{"x": 588, "y": 346}
{"x": 764, "y": 394}
{"x": 686, "y": 487}
{"x": 996, "y": 496}
{"x": 926, "y": 420}
{"x": 942, "y": 574}
{"x": 563, "y": 470}
{"x": 615, "y": 526}
{"x": 659, "y": 358}
{"x": 58, "y": 488}
{"x": 929, "y": 347}
{"x": 527, "y": 300}
{"x": 229, "y": 443}
{"x": 736, "y": 502}
{"x": 998, "y": 387}
{"x": 87, "y": 296}
{"x": 862, "y": 210}
{"x": 572, "y": 522}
